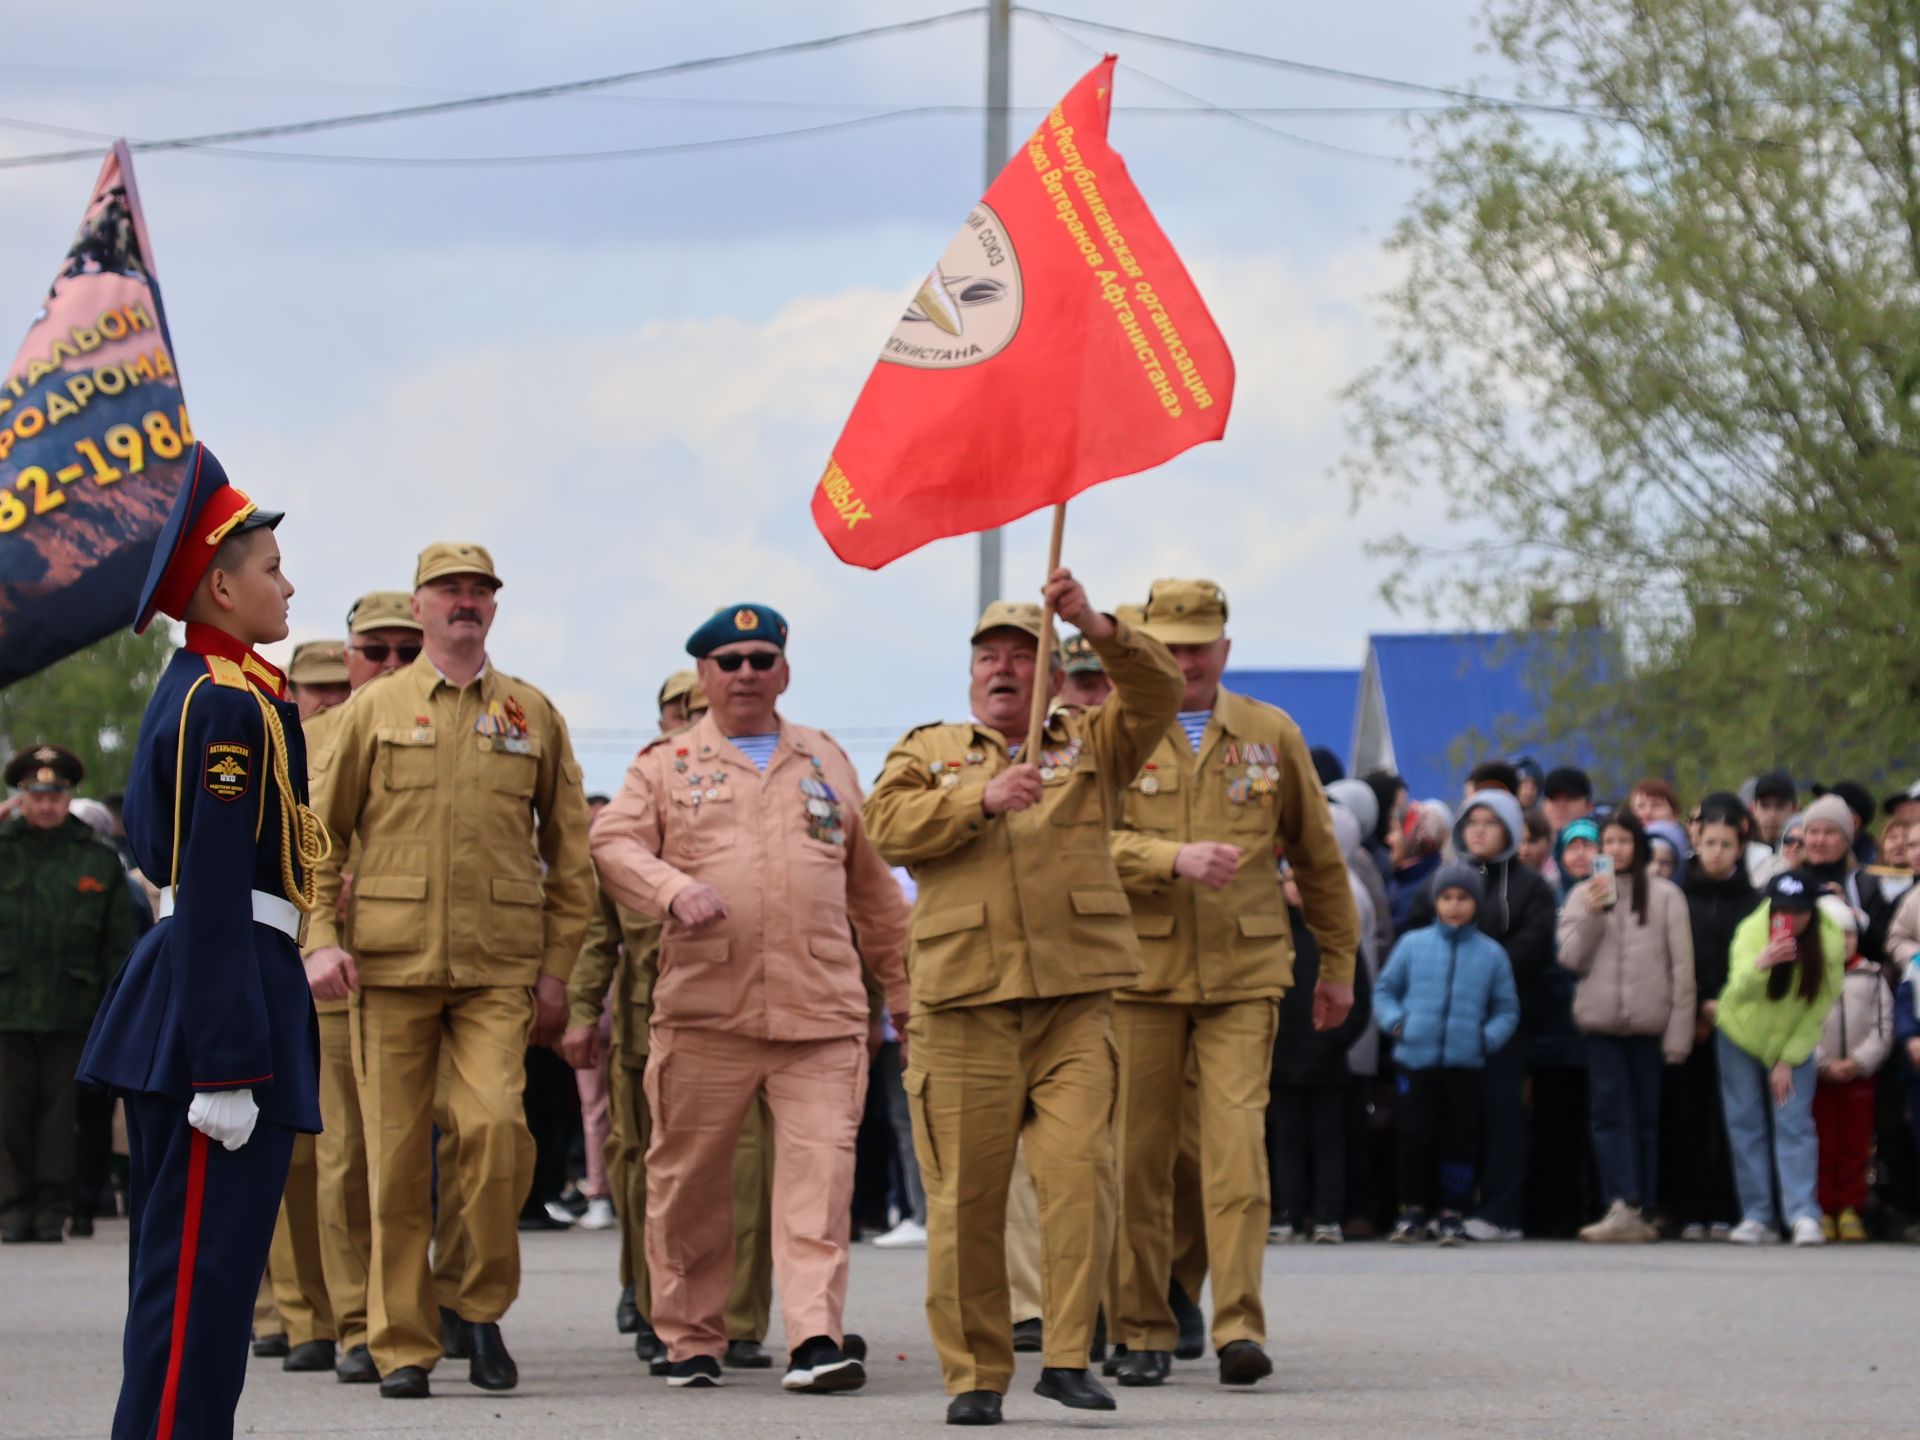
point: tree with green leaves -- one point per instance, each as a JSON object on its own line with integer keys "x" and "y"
{"x": 91, "y": 703}
{"x": 1658, "y": 345}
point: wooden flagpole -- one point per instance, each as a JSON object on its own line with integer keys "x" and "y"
{"x": 1043, "y": 657}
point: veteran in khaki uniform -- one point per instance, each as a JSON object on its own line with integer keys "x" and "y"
{"x": 1021, "y": 934}
{"x": 382, "y": 636}
{"x": 1228, "y": 781}
{"x": 456, "y": 788}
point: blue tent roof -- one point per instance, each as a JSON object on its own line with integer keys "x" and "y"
{"x": 1449, "y": 701}
{"x": 1321, "y": 702}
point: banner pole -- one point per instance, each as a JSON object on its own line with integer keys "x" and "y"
{"x": 1043, "y": 658}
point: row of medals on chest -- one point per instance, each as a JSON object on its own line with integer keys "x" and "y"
{"x": 826, "y": 822}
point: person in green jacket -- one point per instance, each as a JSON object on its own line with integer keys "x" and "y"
{"x": 1784, "y": 971}
{"x": 65, "y": 926}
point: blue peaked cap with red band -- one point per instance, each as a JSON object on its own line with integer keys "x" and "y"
{"x": 206, "y": 511}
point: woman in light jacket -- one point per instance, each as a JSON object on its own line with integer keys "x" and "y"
{"x": 1628, "y": 939}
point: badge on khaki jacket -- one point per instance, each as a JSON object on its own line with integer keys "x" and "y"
{"x": 229, "y": 770}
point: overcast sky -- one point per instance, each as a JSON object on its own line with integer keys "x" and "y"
{"x": 625, "y": 376}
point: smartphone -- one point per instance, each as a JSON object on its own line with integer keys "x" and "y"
{"x": 1781, "y": 928}
{"x": 1603, "y": 870}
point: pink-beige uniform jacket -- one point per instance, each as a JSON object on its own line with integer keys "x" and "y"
{"x": 788, "y": 852}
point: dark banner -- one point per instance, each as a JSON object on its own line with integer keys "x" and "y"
{"x": 93, "y": 435}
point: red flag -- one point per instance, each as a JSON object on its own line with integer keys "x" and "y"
{"x": 1058, "y": 343}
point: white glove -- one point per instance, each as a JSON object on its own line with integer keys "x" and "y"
{"x": 224, "y": 1115}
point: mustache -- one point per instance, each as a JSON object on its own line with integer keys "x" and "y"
{"x": 465, "y": 614}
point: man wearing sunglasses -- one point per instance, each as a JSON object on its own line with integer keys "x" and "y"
{"x": 456, "y": 790}
{"x": 744, "y": 834}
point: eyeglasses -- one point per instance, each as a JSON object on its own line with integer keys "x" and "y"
{"x": 762, "y": 660}
{"x": 377, "y": 652}
{"x": 1790, "y": 840}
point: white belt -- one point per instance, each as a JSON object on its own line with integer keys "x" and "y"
{"x": 274, "y": 910}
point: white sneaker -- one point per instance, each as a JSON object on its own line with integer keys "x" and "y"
{"x": 1719, "y": 1232}
{"x": 909, "y": 1234}
{"x": 599, "y": 1214}
{"x": 1281, "y": 1235}
{"x": 1806, "y": 1231}
{"x": 1752, "y": 1232}
{"x": 1694, "y": 1232}
{"x": 559, "y": 1214}
{"x": 1328, "y": 1235}
{"x": 1485, "y": 1230}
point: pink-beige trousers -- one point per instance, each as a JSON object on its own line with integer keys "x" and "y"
{"x": 700, "y": 1084}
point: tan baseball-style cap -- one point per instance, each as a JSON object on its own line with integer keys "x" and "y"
{"x": 684, "y": 685}
{"x": 318, "y": 662}
{"x": 1021, "y": 615}
{"x": 381, "y": 610}
{"x": 1186, "y": 612}
{"x": 453, "y": 557}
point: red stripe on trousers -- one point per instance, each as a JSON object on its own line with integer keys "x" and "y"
{"x": 183, "y": 1287}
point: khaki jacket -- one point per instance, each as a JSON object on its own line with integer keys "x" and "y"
{"x": 1634, "y": 979}
{"x": 1025, "y": 905}
{"x": 467, "y": 822}
{"x": 1252, "y": 785}
{"x": 620, "y": 952}
{"x": 319, "y": 736}
{"x": 799, "y": 886}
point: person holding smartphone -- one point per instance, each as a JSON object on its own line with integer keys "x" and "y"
{"x": 1784, "y": 971}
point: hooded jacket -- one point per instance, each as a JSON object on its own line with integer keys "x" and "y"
{"x": 1635, "y": 978}
{"x": 1347, "y": 833}
{"x": 1447, "y": 998}
{"x": 1520, "y": 909}
{"x": 1860, "y": 1027}
{"x": 1306, "y": 1056}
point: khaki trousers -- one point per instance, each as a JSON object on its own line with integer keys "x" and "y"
{"x": 293, "y": 1261}
{"x": 340, "y": 1154}
{"x": 1024, "y": 1295}
{"x": 1189, "y": 1209}
{"x": 702, "y": 1084}
{"x": 1232, "y": 1046}
{"x": 749, "y": 1307}
{"x": 451, "y": 1253}
{"x": 404, "y": 1033}
{"x": 982, "y": 1082}
{"x": 266, "y": 1315}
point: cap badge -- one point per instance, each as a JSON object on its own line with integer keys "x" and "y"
{"x": 746, "y": 620}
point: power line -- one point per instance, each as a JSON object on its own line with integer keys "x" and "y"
{"x": 503, "y": 97}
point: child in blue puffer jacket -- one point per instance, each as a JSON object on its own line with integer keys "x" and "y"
{"x": 1448, "y": 999}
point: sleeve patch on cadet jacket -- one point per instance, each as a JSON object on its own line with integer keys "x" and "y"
{"x": 229, "y": 769}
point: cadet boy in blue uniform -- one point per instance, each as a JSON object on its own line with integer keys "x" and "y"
{"x": 208, "y": 1032}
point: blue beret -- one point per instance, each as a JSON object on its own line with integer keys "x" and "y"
{"x": 732, "y": 623}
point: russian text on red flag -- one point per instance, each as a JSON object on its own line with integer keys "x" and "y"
{"x": 93, "y": 431}
{"x": 1059, "y": 342}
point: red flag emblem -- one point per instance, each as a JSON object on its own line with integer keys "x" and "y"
{"x": 1058, "y": 342}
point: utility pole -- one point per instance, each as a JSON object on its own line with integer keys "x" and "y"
{"x": 999, "y": 34}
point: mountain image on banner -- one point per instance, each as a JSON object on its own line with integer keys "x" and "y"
{"x": 1058, "y": 342}
{"x": 93, "y": 435}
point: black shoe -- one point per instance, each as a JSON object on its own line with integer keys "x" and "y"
{"x": 660, "y": 1367}
{"x": 854, "y": 1346}
{"x": 626, "y": 1314}
{"x": 1243, "y": 1362}
{"x": 270, "y": 1347}
{"x": 490, "y": 1366}
{"x": 1144, "y": 1367}
{"x": 820, "y": 1367}
{"x": 747, "y": 1355}
{"x": 976, "y": 1407}
{"x": 1074, "y": 1389}
{"x": 1193, "y": 1324}
{"x": 80, "y": 1227}
{"x": 702, "y": 1372}
{"x": 51, "y": 1234}
{"x": 1028, "y": 1337}
{"x": 453, "y": 1336}
{"x": 356, "y": 1367}
{"x": 646, "y": 1344}
{"x": 1111, "y": 1366}
{"x": 409, "y": 1382}
{"x": 309, "y": 1355}
{"x": 16, "y": 1235}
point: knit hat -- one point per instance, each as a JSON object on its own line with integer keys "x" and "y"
{"x": 1460, "y": 876}
{"x": 1835, "y": 811}
{"x": 1581, "y": 829}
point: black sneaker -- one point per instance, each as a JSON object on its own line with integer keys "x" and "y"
{"x": 702, "y": 1372}
{"x": 821, "y": 1367}
{"x": 1410, "y": 1228}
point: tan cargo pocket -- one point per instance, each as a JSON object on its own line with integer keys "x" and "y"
{"x": 405, "y": 763}
{"x": 1260, "y": 927}
{"x": 1101, "y": 902}
{"x": 389, "y": 913}
{"x": 947, "y": 959}
{"x": 915, "y": 1084}
{"x": 518, "y": 923}
{"x": 1153, "y": 927}
{"x": 511, "y": 772}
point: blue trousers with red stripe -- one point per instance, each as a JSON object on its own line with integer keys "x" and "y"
{"x": 201, "y": 1219}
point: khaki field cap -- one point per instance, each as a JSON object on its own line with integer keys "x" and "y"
{"x": 684, "y": 685}
{"x": 318, "y": 662}
{"x": 1018, "y": 615}
{"x": 449, "y": 557}
{"x": 1186, "y": 612}
{"x": 381, "y": 610}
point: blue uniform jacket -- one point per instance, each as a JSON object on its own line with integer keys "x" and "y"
{"x": 210, "y": 999}
{"x": 1447, "y": 997}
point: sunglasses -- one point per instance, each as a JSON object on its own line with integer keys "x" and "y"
{"x": 762, "y": 660}
{"x": 377, "y": 652}
{"x": 1790, "y": 840}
